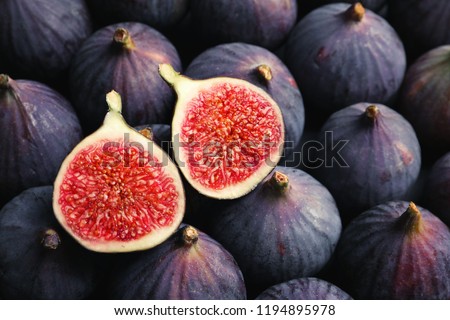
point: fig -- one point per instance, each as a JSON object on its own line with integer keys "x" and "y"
{"x": 369, "y": 154}
{"x": 39, "y": 38}
{"x": 38, "y": 128}
{"x": 266, "y": 23}
{"x": 227, "y": 133}
{"x": 424, "y": 99}
{"x": 341, "y": 54}
{"x": 291, "y": 225}
{"x": 437, "y": 190}
{"x": 190, "y": 265}
{"x": 395, "y": 250}
{"x": 423, "y": 25}
{"x": 38, "y": 259}
{"x": 117, "y": 191}
{"x": 265, "y": 70}
{"x": 123, "y": 57}
{"x": 159, "y": 14}
{"x": 304, "y": 289}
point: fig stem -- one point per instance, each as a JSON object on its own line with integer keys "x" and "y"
{"x": 4, "y": 81}
{"x": 279, "y": 181}
{"x": 411, "y": 220}
{"x": 264, "y": 72}
{"x": 355, "y": 12}
{"x": 123, "y": 38}
{"x": 147, "y": 132}
{"x": 51, "y": 239}
{"x": 168, "y": 73}
{"x": 372, "y": 112}
{"x": 189, "y": 235}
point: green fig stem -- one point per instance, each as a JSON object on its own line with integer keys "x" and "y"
{"x": 411, "y": 220}
{"x": 123, "y": 38}
{"x": 279, "y": 181}
{"x": 51, "y": 239}
{"x": 355, "y": 12}
{"x": 264, "y": 72}
{"x": 168, "y": 73}
{"x": 114, "y": 115}
{"x": 372, "y": 112}
{"x": 189, "y": 235}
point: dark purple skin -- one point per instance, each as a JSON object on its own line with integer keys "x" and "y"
{"x": 304, "y": 289}
{"x": 366, "y": 157}
{"x": 279, "y": 231}
{"x": 39, "y": 38}
{"x": 128, "y": 63}
{"x": 265, "y": 70}
{"x": 424, "y": 99}
{"x": 38, "y": 128}
{"x": 423, "y": 25}
{"x": 38, "y": 259}
{"x": 338, "y": 61}
{"x": 160, "y": 14}
{"x": 437, "y": 190}
{"x": 265, "y": 23}
{"x": 190, "y": 265}
{"x": 390, "y": 252}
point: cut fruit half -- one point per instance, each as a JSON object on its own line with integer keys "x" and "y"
{"x": 227, "y": 134}
{"x": 117, "y": 191}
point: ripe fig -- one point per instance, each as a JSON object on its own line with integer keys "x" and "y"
{"x": 425, "y": 99}
{"x": 38, "y": 38}
{"x": 304, "y": 289}
{"x": 286, "y": 228}
{"x": 437, "y": 190}
{"x": 265, "y": 23}
{"x": 369, "y": 155}
{"x": 38, "y": 128}
{"x": 341, "y": 54}
{"x": 190, "y": 265}
{"x": 395, "y": 250}
{"x": 227, "y": 134}
{"x": 123, "y": 57}
{"x": 117, "y": 190}
{"x": 265, "y": 70}
{"x": 38, "y": 259}
{"x": 423, "y": 25}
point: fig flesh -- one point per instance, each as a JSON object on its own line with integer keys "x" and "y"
{"x": 227, "y": 134}
{"x": 117, "y": 190}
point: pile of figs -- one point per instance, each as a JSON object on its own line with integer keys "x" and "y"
{"x": 197, "y": 149}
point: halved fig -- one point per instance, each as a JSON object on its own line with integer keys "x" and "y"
{"x": 117, "y": 191}
{"x": 227, "y": 134}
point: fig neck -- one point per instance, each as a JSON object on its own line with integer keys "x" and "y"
{"x": 189, "y": 236}
{"x": 279, "y": 182}
{"x": 51, "y": 239}
{"x": 411, "y": 220}
{"x": 122, "y": 39}
{"x": 355, "y": 12}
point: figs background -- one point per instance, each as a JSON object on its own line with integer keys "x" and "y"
{"x": 43, "y": 50}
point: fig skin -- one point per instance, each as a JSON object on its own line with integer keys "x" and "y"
{"x": 437, "y": 190}
{"x": 395, "y": 250}
{"x": 190, "y": 265}
{"x": 39, "y": 38}
{"x": 262, "y": 68}
{"x": 379, "y": 157}
{"x": 265, "y": 23}
{"x": 38, "y": 128}
{"x": 304, "y": 289}
{"x": 159, "y": 14}
{"x": 33, "y": 267}
{"x": 291, "y": 228}
{"x": 424, "y": 100}
{"x": 123, "y": 57}
{"x": 338, "y": 60}
{"x": 422, "y": 25}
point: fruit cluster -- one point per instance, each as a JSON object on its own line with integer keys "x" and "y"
{"x": 197, "y": 149}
